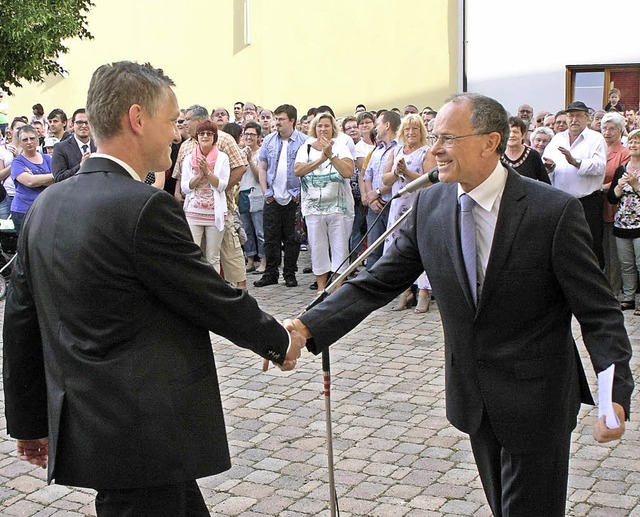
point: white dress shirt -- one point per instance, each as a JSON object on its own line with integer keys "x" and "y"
{"x": 487, "y": 196}
{"x": 591, "y": 148}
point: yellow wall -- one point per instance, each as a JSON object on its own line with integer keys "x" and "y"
{"x": 336, "y": 52}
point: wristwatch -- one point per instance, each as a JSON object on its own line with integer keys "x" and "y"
{"x": 378, "y": 192}
{"x": 579, "y": 162}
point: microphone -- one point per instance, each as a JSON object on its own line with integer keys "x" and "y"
{"x": 419, "y": 183}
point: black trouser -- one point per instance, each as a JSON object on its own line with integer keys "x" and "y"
{"x": 592, "y": 206}
{"x": 279, "y": 230}
{"x": 522, "y": 485}
{"x": 179, "y": 500}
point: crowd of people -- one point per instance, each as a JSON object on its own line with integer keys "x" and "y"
{"x": 260, "y": 184}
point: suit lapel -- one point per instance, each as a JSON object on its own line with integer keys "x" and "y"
{"x": 449, "y": 219}
{"x": 76, "y": 154}
{"x": 512, "y": 208}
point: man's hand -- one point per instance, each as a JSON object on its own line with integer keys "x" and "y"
{"x": 568, "y": 156}
{"x": 371, "y": 196}
{"x": 602, "y": 433}
{"x": 34, "y": 451}
{"x": 298, "y": 342}
{"x": 377, "y": 205}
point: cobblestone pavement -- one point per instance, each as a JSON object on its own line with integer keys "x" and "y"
{"x": 395, "y": 452}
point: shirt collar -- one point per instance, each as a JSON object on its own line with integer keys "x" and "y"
{"x": 490, "y": 189}
{"x": 122, "y": 164}
{"x": 81, "y": 143}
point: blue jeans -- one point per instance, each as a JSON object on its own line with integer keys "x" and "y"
{"x": 18, "y": 219}
{"x": 252, "y": 223}
{"x": 5, "y": 207}
{"x": 378, "y": 229}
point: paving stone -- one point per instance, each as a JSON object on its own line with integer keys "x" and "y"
{"x": 395, "y": 453}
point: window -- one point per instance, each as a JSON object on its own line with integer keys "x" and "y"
{"x": 592, "y": 83}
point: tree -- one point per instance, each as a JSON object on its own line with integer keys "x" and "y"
{"x": 32, "y": 34}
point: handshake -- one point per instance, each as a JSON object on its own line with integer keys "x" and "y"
{"x": 298, "y": 335}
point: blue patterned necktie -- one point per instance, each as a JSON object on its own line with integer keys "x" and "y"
{"x": 85, "y": 148}
{"x": 468, "y": 242}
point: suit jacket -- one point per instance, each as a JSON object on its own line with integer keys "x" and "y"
{"x": 514, "y": 355}
{"x": 113, "y": 302}
{"x": 66, "y": 158}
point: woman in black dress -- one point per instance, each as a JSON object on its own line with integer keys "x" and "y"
{"x": 523, "y": 159}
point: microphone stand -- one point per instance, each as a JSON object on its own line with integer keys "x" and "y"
{"x": 326, "y": 360}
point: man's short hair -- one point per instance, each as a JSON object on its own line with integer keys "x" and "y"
{"x": 233, "y": 129}
{"x": 393, "y": 119}
{"x": 23, "y": 119}
{"x": 58, "y": 113}
{"x": 614, "y": 90}
{"x": 487, "y": 116}
{"x": 238, "y": 102}
{"x": 220, "y": 109}
{"x": 287, "y": 109}
{"x": 198, "y": 112}
{"x": 325, "y": 109}
{"x": 75, "y": 113}
{"x": 115, "y": 87}
{"x": 253, "y": 124}
{"x": 561, "y": 112}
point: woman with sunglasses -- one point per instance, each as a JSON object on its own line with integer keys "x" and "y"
{"x": 31, "y": 173}
{"x": 205, "y": 175}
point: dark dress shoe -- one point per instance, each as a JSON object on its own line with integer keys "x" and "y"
{"x": 307, "y": 270}
{"x": 265, "y": 280}
{"x": 291, "y": 281}
{"x": 314, "y": 286}
{"x": 626, "y": 306}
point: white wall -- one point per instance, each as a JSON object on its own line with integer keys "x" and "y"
{"x": 518, "y": 51}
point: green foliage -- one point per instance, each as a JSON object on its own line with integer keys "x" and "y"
{"x": 32, "y": 34}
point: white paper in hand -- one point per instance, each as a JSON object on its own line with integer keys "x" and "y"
{"x": 605, "y": 404}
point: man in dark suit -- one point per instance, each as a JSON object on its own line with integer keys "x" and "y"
{"x": 514, "y": 380}
{"x": 69, "y": 154}
{"x": 108, "y": 365}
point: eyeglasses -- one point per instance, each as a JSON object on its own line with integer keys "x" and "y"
{"x": 206, "y": 133}
{"x": 449, "y": 140}
{"x": 525, "y": 111}
{"x": 252, "y": 135}
{"x": 180, "y": 122}
{"x": 81, "y": 122}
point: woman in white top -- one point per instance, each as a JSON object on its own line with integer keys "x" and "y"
{"x": 205, "y": 174}
{"x": 325, "y": 167}
{"x": 252, "y": 201}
